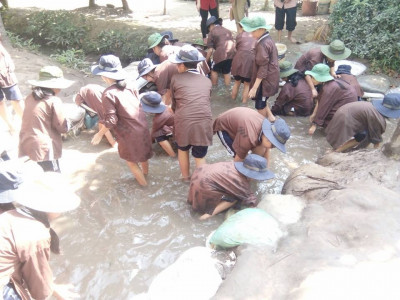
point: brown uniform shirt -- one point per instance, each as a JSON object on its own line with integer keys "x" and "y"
{"x": 122, "y": 113}
{"x": 163, "y": 124}
{"x": 309, "y": 59}
{"x": 24, "y": 255}
{"x": 334, "y": 94}
{"x": 210, "y": 182}
{"x": 297, "y": 97}
{"x": 242, "y": 64}
{"x": 266, "y": 66}
{"x": 191, "y": 94}
{"x": 91, "y": 96}
{"x": 352, "y": 80}
{"x": 353, "y": 118}
{"x": 7, "y": 75}
{"x": 43, "y": 123}
{"x": 243, "y": 125}
{"x": 221, "y": 40}
{"x": 163, "y": 74}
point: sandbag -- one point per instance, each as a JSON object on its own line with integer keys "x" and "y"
{"x": 248, "y": 226}
{"x": 193, "y": 276}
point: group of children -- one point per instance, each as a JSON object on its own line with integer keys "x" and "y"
{"x": 180, "y": 106}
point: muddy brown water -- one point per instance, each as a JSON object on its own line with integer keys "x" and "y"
{"x": 123, "y": 235}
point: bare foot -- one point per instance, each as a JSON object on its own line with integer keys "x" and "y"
{"x": 294, "y": 41}
{"x": 204, "y": 217}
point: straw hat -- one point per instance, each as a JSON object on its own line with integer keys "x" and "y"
{"x": 252, "y": 24}
{"x": 110, "y": 66}
{"x": 48, "y": 193}
{"x": 255, "y": 167}
{"x": 336, "y": 50}
{"x": 51, "y": 77}
{"x": 277, "y": 133}
{"x": 320, "y": 72}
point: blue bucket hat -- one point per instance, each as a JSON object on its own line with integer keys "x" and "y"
{"x": 187, "y": 53}
{"x": 110, "y": 66}
{"x": 10, "y": 180}
{"x": 343, "y": 69}
{"x": 169, "y": 35}
{"x": 277, "y": 133}
{"x": 389, "y": 106}
{"x": 145, "y": 66}
{"x": 255, "y": 167}
{"x": 152, "y": 102}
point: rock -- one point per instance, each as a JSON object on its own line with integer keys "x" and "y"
{"x": 374, "y": 83}
{"x": 394, "y": 90}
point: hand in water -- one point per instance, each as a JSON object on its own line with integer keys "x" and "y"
{"x": 64, "y": 292}
{"x": 252, "y": 93}
{"x": 312, "y": 129}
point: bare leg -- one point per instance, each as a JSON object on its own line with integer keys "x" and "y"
{"x": 167, "y": 148}
{"x": 214, "y": 78}
{"x": 137, "y": 172}
{"x": 349, "y": 144}
{"x": 145, "y": 167}
{"x": 227, "y": 79}
{"x": 199, "y": 161}
{"x": 235, "y": 89}
{"x": 18, "y": 107}
{"x": 184, "y": 164}
{"x": 245, "y": 95}
{"x": 222, "y": 206}
{"x": 108, "y": 135}
{"x": 279, "y": 35}
{"x": 5, "y": 115}
{"x": 290, "y": 38}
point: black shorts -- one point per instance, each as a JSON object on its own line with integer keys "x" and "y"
{"x": 261, "y": 102}
{"x": 290, "y": 18}
{"x": 223, "y": 67}
{"x": 50, "y": 165}
{"x": 162, "y": 138}
{"x": 227, "y": 141}
{"x": 197, "y": 151}
{"x": 241, "y": 79}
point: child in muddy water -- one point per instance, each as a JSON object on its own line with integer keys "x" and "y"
{"x": 163, "y": 120}
{"x": 215, "y": 188}
{"x": 89, "y": 97}
{"x": 123, "y": 114}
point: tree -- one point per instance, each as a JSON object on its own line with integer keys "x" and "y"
{"x": 125, "y": 5}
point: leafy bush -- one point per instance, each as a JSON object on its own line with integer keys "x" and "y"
{"x": 72, "y": 58}
{"x": 370, "y": 28}
{"x": 22, "y": 43}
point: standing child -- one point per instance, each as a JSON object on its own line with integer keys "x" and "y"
{"x": 123, "y": 114}
{"x": 191, "y": 94}
{"x": 163, "y": 120}
{"x": 242, "y": 64}
{"x": 222, "y": 48}
{"x": 265, "y": 78}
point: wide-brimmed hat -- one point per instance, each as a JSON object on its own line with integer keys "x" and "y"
{"x": 145, "y": 66}
{"x": 336, "y": 50}
{"x": 51, "y": 77}
{"x": 152, "y": 102}
{"x": 169, "y": 36}
{"x": 48, "y": 193}
{"x": 320, "y": 72}
{"x": 155, "y": 39}
{"x": 343, "y": 69}
{"x": 255, "y": 167}
{"x": 286, "y": 69}
{"x": 277, "y": 133}
{"x": 110, "y": 66}
{"x": 199, "y": 42}
{"x": 212, "y": 20}
{"x": 187, "y": 53}
{"x": 252, "y": 24}
{"x": 389, "y": 106}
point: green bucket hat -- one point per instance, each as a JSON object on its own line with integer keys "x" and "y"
{"x": 336, "y": 50}
{"x": 51, "y": 77}
{"x": 155, "y": 39}
{"x": 320, "y": 72}
{"x": 286, "y": 69}
{"x": 252, "y": 24}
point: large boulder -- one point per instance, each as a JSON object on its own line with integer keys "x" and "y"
{"x": 374, "y": 83}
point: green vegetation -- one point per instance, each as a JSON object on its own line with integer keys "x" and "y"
{"x": 70, "y": 37}
{"x": 370, "y": 28}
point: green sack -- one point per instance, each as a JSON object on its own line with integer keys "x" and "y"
{"x": 248, "y": 226}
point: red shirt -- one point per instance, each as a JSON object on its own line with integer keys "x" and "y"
{"x": 207, "y": 4}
